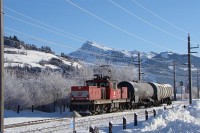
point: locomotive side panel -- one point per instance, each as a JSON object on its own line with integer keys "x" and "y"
{"x": 115, "y": 94}
{"x": 85, "y": 93}
{"x": 94, "y": 93}
{"x": 124, "y": 93}
{"x": 79, "y": 93}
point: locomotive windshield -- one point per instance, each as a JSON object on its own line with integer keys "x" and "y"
{"x": 91, "y": 84}
{"x": 99, "y": 81}
{"x": 99, "y": 84}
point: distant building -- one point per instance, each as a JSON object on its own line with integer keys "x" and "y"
{"x": 180, "y": 93}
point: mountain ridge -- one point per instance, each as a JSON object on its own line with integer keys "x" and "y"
{"x": 156, "y": 67}
{"x": 91, "y": 51}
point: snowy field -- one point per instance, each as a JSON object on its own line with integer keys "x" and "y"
{"x": 174, "y": 120}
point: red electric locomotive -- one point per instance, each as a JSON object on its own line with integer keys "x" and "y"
{"x": 100, "y": 95}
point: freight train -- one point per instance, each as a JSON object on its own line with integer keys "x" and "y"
{"x": 103, "y": 95}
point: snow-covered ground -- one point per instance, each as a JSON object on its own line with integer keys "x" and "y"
{"x": 31, "y": 58}
{"x": 12, "y": 117}
{"x": 178, "y": 119}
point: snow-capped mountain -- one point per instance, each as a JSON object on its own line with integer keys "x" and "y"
{"x": 156, "y": 67}
{"x": 91, "y": 52}
{"x": 35, "y": 59}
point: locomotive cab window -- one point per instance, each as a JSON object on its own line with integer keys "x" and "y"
{"x": 114, "y": 86}
{"x": 98, "y": 84}
{"x": 103, "y": 84}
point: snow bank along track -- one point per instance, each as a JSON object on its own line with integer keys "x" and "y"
{"x": 84, "y": 122}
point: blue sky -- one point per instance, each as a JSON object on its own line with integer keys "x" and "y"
{"x": 119, "y": 24}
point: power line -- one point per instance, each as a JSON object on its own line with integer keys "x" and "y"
{"x": 78, "y": 37}
{"x": 161, "y": 18}
{"x": 75, "y": 36}
{"x": 38, "y": 39}
{"x": 154, "y": 26}
{"x": 154, "y": 14}
{"x": 43, "y": 28}
{"x": 120, "y": 29}
{"x": 69, "y": 35}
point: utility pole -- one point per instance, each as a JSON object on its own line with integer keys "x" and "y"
{"x": 1, "y": 71}
{"x": 198, "y": 83}
{"x": 174, "y": 66}
{"x": 189, "y": 69}
{"x": 139, "y": 65}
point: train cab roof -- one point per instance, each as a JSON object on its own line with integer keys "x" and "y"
{"x": 100, "y": 79}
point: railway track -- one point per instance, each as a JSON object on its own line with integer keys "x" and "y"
{"x": 31, "y": 123}
{"x": 53, "y": 125}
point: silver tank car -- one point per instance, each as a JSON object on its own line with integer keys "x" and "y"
{"x": 139, "y": 90}
{"x": 162, "y": 91}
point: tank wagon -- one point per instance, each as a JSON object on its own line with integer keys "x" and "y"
{"x": 101, "y": 95}
{"x": 147, "y": 94}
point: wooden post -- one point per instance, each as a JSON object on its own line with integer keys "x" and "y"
{"x": 74, "y": 129}
{"x": 124, "y": 122}
{"x": 43, "y": 108}
{"x": 96, "y": 129}
{"x": 146, "y": 114}
{"x": 54, "y": 106}
{"x": 32, "y": 108}
{"x": 18, "y": 108}
{"x": 184, "y": 106}
{"x": 165, "y": 108}
{"x": 64, "y": 108}
{"x": 91, "y": 129}
{"x": 60, "y": 109}
{"x": 135, "y": 119}
{"x": 110, "y": 127}
{"x": 154, "y": 112}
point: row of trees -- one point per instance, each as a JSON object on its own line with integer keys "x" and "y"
{"x": 16, "y": 43}
{"x": 36, "y": 89}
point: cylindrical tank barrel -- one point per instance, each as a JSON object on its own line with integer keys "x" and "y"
{"x": 162, "y": 91}
{"x": 139, "y": 89}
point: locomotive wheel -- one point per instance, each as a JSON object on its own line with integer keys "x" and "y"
{"x": 97, "y": 109}
{"x": 169, "y": 102}
{"x": 108, "y": 109}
